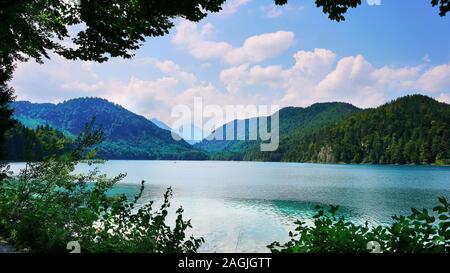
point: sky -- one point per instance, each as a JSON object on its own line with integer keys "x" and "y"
{"x": 256, "y": 53}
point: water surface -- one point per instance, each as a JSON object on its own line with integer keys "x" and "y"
{"x": 243, "y": 206}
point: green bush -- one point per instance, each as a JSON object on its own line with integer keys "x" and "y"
{"x": 47, "y": 205}
{"x": 421, "y": 232}
{"x": 127, "y": 227}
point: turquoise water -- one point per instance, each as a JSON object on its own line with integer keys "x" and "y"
{"x": 243, "y": 206}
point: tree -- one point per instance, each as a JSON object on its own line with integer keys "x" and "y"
{"x": 6, "y": 96}
{"x": 337, "y": 8}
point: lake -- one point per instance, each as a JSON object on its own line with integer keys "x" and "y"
{"x": 243, "y": 206}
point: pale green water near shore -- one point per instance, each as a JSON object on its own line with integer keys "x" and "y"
{"x": 243, "y": 206}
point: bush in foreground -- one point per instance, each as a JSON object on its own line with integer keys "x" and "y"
{"x": 420, "y": 232}
{"x": 47, "y": 205}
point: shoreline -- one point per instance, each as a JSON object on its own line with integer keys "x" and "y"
{"x": 256, "y": 161}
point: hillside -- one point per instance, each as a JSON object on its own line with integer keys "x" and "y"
{"x": 410, "y": 130}
{"x": 127, "y": 135}
{"x": 25, "y": 144}
{"x": 293, "y": 121}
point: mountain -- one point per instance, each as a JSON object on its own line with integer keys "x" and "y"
{"x": 189, "y": 137}
{"x": 192, "y": 135}
{"x": 160, "y": 124}
{"x": 410, "y": 130}
{"x": 127, "y": 135}
{"x": 293, "y": 121}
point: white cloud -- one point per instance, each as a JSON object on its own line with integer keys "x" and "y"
{"x": 435, "y": 79}
{"x": 317, "y": 77}
{"x": 351, "y": 80}
{"x": 313, "y": 64}
{"x": 232, "y": 6}
{"x": 443, "y": 97}
{"x": 234, "y": 77}
{"x": 195, "y": 41}
{"x": 386, "y": 75}
{"x": 60, "y": 79}
{"x": 172, "y": 69}
{"x": 255, "y": 49}
{"x": 261, "y": 47}
{"x": 309, "y": 67}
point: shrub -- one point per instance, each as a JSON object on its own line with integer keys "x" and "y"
{"x": 420, "y": 232}
{"x": 126, "y": 227}
{"x": 47, "y": 205}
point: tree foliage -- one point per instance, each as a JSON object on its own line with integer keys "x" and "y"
{"x": 6, "y": 96}
{"x": 112, "y": 27}
{"x": 335, "y": 9}
{"x": 25, "y": 144}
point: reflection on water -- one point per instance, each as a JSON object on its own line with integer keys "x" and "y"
{"x": 243, "y": 206}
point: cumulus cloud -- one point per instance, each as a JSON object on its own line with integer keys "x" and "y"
{"x": 313, "y": 64}
{"x": 254, "y": 49}
{"x": 195, "y": 41}
{"x": 173, "y": 69}
{"x": 351, "y": 79}
{"x": 444, "y": 98}
{"x": 435, "y": 79}
{"x": 317, "y": 76}
{"x": 260, "y": 47}
{"x": 60, "y": 79}
{"x": 309, "y": 67}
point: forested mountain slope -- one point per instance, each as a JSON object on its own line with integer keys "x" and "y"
{"x": 127, "y": 135}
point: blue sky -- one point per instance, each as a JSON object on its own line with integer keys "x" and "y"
{"x": 256, "y": 53}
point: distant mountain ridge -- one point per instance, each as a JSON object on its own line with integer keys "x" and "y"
{"x": 127, "y": 135}
{"x": 409, "y": 130}
{"x": 160, "y": 124}
{"x": 413, "y": 129}
{"x": 291, "y": 120}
